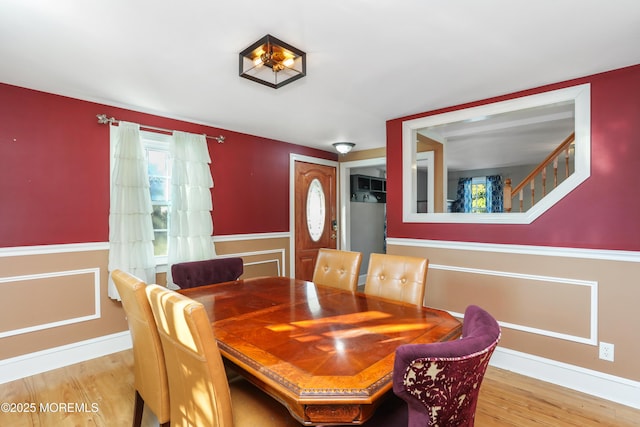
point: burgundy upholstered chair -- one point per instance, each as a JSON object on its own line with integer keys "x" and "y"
{"x": 440, "y": 381}
{"x": 198, "y": 273}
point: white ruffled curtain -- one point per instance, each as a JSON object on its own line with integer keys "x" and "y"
{"x": 190, "y": 223}
{"x": 130, "y": 227}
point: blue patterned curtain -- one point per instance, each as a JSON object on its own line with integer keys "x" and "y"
{"x": 463, "y": 199}
{"x": 494, "y": 194}
{"x": 495, "y": 189}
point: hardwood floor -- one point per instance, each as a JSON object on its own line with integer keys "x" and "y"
{"x": 509, "y": 399}
{"x": 99, "y": 393}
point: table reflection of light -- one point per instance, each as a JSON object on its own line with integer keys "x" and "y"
{"x": 376, "y": 330}
{"x": 312, "y": 298}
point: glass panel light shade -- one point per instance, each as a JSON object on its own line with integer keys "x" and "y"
{"x": 272, "y": 62}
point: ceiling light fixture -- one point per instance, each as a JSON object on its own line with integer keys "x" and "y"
{"x": 343, "y": 147}
{"x": 272, "y": 62}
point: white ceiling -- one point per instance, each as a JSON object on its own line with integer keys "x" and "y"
{"x": 514, "y": 138}
{"x": 368, "y": 61}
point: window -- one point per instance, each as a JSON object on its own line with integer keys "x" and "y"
{"x": 156, "y": 149}
{"x": 315, "y": 210}
{"x": 479, "y": 194}
{"x": 158, "y": 161}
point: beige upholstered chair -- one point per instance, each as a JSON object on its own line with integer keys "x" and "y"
{"x": 200, "y": 393}
{"x": 401, "y": 278}
{"x": 150, "y": 376}
{"x": 339, "y": 269}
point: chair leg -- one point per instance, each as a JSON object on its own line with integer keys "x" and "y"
{"x": 138, "y": 407}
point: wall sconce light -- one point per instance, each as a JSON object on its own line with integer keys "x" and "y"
{"x": 343, "y": 147}
{"x": 272, "y": 62}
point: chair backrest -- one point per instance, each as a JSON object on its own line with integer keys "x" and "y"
{"x": 440, "y": 381}
{"x": 150, "y": 375}
{"x": 402, "y": 278}
{"x": 197, "y": 381}
{"x": 339, "y": 269}
{"x": 198, "y": 273}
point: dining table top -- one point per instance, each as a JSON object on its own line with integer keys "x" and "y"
{"x": 327, "y": 354}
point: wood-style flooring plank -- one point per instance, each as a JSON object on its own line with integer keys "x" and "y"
{"x": 509, "y": 399}
{"x": 101, "y": 392}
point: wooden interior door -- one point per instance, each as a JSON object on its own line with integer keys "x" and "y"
{"x": 315, "y": 214}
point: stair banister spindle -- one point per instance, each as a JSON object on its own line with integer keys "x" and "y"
{"x": 533, "y": 191}
{"x": 564, "y": 146}
{"x": 507, "y": 195}
{"x": 521, "y": 196}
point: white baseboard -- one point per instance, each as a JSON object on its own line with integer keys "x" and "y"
{"x": 605, "y": 386}
{"x": 609, "y": 387}
{"x": 53, "y": 358}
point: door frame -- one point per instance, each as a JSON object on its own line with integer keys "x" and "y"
{"x": 344, "y": 194}
{"x": 293, "y": 157}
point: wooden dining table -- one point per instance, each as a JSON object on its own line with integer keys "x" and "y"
{"x": 325, "y": 353}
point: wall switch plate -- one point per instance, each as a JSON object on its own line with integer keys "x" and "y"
{"x": 606, "y": 351}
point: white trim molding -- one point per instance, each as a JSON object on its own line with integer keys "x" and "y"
{"x": 603, "y": 254}
{"x": 605, "y": 386}
{"x": 267, "y": 261}
{"x": 344, "y": 184}
{"x": 46, "y": 360}
{"x": 69, "y": 321}
{"x": 280, "y": 252}
{"x": 592, "y": 339}
{"x": 551, "y": 251}
{"x": 104, "y": 246}
{"x": 580, "y": 95}
{"x": 255, "y": 236}
{"x": 53, "y": 249}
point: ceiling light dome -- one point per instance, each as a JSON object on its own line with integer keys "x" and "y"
{"x": 343, "y": 147}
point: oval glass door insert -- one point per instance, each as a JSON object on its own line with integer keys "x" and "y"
{"x": 315, "y": 209}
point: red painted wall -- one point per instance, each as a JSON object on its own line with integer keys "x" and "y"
{"x": 54, "y": 171}
{"x": 603, "y": 213}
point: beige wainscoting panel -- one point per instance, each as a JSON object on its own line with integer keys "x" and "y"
{"x": 30, "y": 298}
{"x": 544, "y": 315}
{"x": 46, "y": 296}
{"x": 269, "y": 264}
{"x": 554, "y": 303}
{"x": 161, "y": 278}
{"x": 261, "y": 256}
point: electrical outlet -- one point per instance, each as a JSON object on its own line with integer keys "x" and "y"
{"x": 606, "y": 351}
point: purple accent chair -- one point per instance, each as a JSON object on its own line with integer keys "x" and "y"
{"x": 440, "y": 382}
{"x": 198, "y": 273}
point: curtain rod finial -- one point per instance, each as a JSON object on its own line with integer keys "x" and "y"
{"x": 103, "y": 119}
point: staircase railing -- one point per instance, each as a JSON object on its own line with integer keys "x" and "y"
{"x": 541, "y": 169}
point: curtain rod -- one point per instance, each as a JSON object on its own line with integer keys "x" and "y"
{"x": 103, "y": 119}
